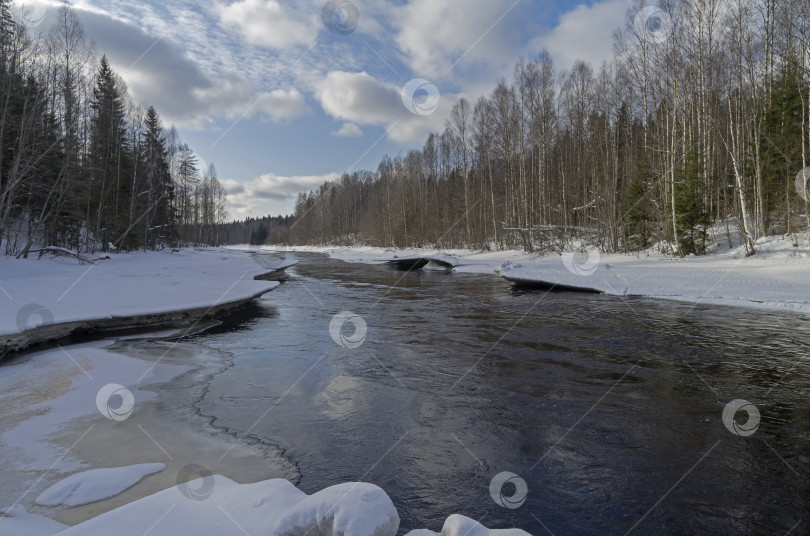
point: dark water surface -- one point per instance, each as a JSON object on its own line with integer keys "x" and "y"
{"x": 610, "y": 409}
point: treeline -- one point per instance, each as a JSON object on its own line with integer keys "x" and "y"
{"x": 81, "y": 166}
{"x": 257, "y": 231}
{"x": 702, "y": 116}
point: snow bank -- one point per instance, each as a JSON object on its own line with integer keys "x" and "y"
{"x": 272, "y": 507}
{"x": 52, "y": 292}
{"x": 96, "y": 484}
{"x": 269, "y": 508}
{"x": 775, "y": 278}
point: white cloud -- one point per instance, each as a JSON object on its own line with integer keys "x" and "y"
{"x": 270, "y": 194}
{"x": 270, "y": 24}
{"x": 240, "y": 99}
{"x": 359, "y": 98}
{"x": 434, "y": 34}
{"x": 362, "y": 99}
{"x": 585, "y": 33}
{"x": 348, "y": 130}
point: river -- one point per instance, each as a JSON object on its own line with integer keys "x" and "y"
{"x": 609, "y": 409}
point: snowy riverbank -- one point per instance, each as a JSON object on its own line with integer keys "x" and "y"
{"x": 777, "y": 277}
{"x": 47, "y": 299}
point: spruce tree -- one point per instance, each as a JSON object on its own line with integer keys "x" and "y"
{"x": 111, "y": 172}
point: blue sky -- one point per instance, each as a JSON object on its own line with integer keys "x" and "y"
{"x": 280, "y": 101}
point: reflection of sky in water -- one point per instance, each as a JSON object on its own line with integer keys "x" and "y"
{"x": 342, "y": 397}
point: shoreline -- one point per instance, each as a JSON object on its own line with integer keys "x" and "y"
{"x": 773, "y": 280}
{"x": 53, "y": 333}
{"x": 48, "y": 300}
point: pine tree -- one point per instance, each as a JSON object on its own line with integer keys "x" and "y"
{"x": 155, "y": 190}
{"x": 111, "y": 172}
{"x": 781, "y": 154}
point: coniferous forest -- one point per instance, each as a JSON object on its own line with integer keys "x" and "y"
{"x": 82, "y": 167}
{"x": 701, "y": 117}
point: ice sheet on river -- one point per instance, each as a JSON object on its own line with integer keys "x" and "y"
{"x": 96, "y": 484}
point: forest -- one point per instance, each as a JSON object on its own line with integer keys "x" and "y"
{"x": 82, "y": 167}
{"x": 257, "y": 231}
{"x": 699, "y": 122}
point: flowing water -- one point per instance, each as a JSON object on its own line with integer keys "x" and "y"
{"x": 609, "y": 409}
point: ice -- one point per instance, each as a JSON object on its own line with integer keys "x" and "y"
{"x": 96, "y": 484}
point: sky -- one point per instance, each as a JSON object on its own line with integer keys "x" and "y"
{"x": 282, "y": 95}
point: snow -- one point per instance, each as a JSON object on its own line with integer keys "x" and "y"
{"x": 58, "y": 290}
{"x": 458, "y": 525}
{"x": 775, "y": 278}
{"x": 270, "y": 507}
{"x": 96, "y": 484}
{"x": 16, "y": 521}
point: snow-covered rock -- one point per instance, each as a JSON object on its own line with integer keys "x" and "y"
{"x": 458, "y": 525}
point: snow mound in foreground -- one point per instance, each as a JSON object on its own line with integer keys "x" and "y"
{"x": 96, "y": 485}
{"x": 458, "y": 525}
{"x": 216, "y": 505}
{"x": 270, "y": 508}
{"x": 352, "y": 508}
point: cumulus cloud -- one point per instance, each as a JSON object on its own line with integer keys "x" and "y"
{"x": 585, "y": 33}
{"x": 362, "y": 99}
{"x": 270, "y": 24}
{"x": 348, "y": 130}
{"x": 435, "y": 34}
{"x": 359, "y": 98}
{"x": 270, "y": 193}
